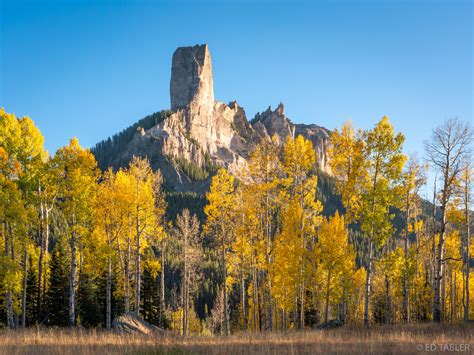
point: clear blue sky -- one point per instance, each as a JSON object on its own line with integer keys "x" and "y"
{"x": 92, "y": 68}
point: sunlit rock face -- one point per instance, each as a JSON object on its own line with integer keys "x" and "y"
{"x": 205, "y": 126}
{"x": 191, "y": 77}
{"x": 202, "y": 129}
{"x": 276, "y": 124}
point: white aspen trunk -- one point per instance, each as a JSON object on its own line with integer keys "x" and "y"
{"x": 25, "y": 284}
{"x": 224, "y": 269}
{"x": 8, "y": 293}
{"x": 405, "y": 312}
{"x": 127, "y": 277}
{"x": 39, "y": 295}
{"x": 255, "y": 298}
{"x": 242, "y": 298}
{"x": 439, "y": 270}
{"x": 162, "y": 288}
{"x": 72, "y": 288}
{"x": 467, "y": 253}
{"x": 368, "y": 281}
{"x": 388, "y": 316}
{"x": 328, "y": 285}
{"x": 108, "y": 296}
{"x": 138, "y": 269}
{"x": 185, "y": 285}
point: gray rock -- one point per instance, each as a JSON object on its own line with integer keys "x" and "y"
{"x": 191, "y": 77}
{"x": 131, "y": 323}
{"x": 201, "y": 126}
{"x": 332, "y": 324}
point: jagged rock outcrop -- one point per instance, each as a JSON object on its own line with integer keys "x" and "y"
{"x": 275, "y": 123}
{"x": 203, "y": 131}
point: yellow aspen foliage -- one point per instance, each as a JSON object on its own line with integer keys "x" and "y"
{"x": 78, "y": 174}
{"x": 355, "y": 296}
{"x": 336, "y": 259}
{"x": 289, "y": 256}
{"x": 220, "y": 208}
{"x": 220, "y": 224}
{"x": 347, "y": 162}
{"x": 301, "y": 213}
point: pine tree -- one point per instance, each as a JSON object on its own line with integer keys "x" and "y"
{"x": 31, "y": 294}
{"x": 57, "y": 296}
{"x": 151, "y": 296}
{"x": 89, "y": 310}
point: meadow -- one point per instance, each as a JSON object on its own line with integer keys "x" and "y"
{"x": 395, "y": 339}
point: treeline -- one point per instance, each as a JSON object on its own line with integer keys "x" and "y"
{"x": 105, "y": 150}
{"x": 80, "y": 247}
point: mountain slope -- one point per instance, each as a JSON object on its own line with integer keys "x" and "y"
{"x": 198, "y": 134}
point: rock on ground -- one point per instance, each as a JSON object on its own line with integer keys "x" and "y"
{"x": 332, "y": 324}
{"x": 131, "y": 323}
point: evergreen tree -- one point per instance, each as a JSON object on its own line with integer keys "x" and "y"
{"x": 89, "y": 310}
{"x": 57, "y": 296}
{"x": 151, "y": 297}
{"x": 31, "y": 294}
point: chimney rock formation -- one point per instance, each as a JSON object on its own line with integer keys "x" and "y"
{"x": 199, "y": 130}
{"x": 191, "y": 77}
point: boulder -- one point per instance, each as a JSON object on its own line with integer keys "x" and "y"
{"x": 131, "y": 323}
{"x": 332, "y": 324}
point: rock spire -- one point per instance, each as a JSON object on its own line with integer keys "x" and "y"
{"x": 191, "y": 77}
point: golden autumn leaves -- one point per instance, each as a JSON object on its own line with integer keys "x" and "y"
{"x": 282, "y": 263}
{"x": 266, "y": 228}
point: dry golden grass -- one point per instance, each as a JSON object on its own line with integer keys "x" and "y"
{"x": 376, "y": 340}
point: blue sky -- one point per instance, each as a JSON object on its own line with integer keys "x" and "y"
{"x": 92, "y": 68}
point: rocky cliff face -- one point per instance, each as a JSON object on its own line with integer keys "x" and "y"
{"x": 275, "y": 123}
{"x": 201, "y": 130}
{"x": 191, "y": 77}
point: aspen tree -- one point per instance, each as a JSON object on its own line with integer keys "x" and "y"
{"x": 384, "y": 163}
{"x": 220, "y": 213}
{"x": 78, "y": 175}
{"x": 447, "y": 151}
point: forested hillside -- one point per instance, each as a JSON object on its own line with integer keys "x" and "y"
{"x": 107, "y": 152}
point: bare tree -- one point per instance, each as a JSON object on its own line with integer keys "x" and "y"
{"x": 447, "y": 150}
{"x": 466, "y": 255}
{"x": 215, "y": 319}
{"x": 187, "y": 233}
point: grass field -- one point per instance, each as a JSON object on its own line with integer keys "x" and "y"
{"x": 398, "y": 339}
